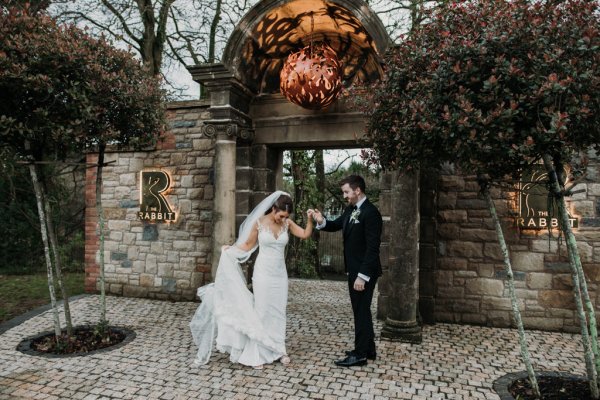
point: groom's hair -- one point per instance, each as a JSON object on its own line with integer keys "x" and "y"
{"x": 354, "y": 181}
{"x": 283, "y": 203}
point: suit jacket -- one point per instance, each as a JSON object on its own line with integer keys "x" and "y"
{"x": 361, "y": 239}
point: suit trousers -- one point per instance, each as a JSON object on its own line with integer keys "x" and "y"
{"x": 364, "y": 335}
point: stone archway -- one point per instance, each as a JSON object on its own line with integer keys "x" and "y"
{"x": 252, "y": 123}
{"x": 265, "y": 36}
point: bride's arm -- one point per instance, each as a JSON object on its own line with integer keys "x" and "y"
{"x": 250, "y": 242}
{"x": 298, "y": 231}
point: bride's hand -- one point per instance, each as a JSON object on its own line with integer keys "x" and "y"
{"x": 318, "y": 216}
{"x": 310, "y": 212}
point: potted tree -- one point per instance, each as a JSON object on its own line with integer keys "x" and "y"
{"x": 496, "y": 87}
{"x": 66, "y": 93}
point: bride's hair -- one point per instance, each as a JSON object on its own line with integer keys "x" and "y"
{"x": 283, "y": 203}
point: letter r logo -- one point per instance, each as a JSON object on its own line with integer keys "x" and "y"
{"x": 153, "y": 185}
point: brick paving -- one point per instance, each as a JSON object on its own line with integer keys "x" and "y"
{"x": 453, "y": 362}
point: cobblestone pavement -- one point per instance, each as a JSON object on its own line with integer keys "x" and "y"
{"x": 453, "y": 362}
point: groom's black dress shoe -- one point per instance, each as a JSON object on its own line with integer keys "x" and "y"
{"x": 370, "y": 356}
{"x": 351, "y": 361}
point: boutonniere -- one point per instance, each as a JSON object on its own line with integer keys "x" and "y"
{"x": 354, "y": 216}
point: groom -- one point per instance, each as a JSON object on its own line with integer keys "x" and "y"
{"x": 361, "y": 224}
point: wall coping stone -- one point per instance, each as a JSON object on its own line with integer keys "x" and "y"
{"x": 178, "y": 105}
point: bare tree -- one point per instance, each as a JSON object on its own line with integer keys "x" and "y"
{"x": 165, "y": 33}
{"x": 401, "y": 16}
{"x": 169, "y": 34}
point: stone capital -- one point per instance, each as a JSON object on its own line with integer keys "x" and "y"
{"x": 209, "y": 73}
{"x": 224, "y": 89}
{"x": 230, "y": 130}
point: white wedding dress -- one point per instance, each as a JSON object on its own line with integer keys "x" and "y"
{"x": 251, "y": 328}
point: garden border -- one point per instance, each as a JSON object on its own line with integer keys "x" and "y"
{"x": 19, "y": 319}
{"x": 24, "y": 345}
{"x": 501, "y": 384}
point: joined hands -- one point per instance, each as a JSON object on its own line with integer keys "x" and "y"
{"x": 317, "y": 216}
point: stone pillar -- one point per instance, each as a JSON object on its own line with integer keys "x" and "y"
{"x": 224, "y": 196}
{"x": 244, "y": 183}
{"x": 385, "y": 284}
{"x": 427, "y": 244}
{"x": 279, "y": 170}
{"x": 229, "y": 123}
{"x": 403, "y": 272}
{"x": 265, "y": 168}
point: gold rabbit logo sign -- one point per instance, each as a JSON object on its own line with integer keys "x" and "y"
{"x": 153, "y": 204}
{"x": 533, "y": 203}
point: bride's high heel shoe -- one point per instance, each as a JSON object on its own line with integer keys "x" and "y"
{"x": 285, "y": 360}
{"x": 259, "y": 366}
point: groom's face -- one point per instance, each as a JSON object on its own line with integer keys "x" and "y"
{"x": 351, "y": 195}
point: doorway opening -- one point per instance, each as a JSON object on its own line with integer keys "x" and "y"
{"x": 312, "y": 178}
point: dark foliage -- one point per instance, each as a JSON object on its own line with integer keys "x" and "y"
{"x": 491, "y": 86}
{"x": 32, "y": 6}
{"x": 19, "y": 229}
{"x": 64, "y": 91}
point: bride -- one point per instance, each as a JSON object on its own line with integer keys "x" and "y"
{"x": 250, "y": 327}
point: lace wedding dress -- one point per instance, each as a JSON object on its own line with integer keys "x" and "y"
{"x": 251, "y": 328}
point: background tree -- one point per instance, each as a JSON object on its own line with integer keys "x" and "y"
{"x": 315, "y": 184}
{"x": 320, "y": 184}
{"x": 33, "y": 6}
{"x": 18, "y": 205}
{"x": 20, "y": 224}
{"x": 20, "y": 227}
{"x": 41, "y": 78}
{"x": 196, "y": 31}
{"x": 166, "y": 34}
{"x": 401, "y": 16}
{"x": 496, "y": 87}
{"x": 128, "y": 106}
{"x": 64, "y": 92}
{"x": 141, "y": 24}
{"x": 302, "y": 256}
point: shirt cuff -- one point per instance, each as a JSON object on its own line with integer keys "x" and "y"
{"x": 321, "y": 225}
{"x": 363, "y": 277}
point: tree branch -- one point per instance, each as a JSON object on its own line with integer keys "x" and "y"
{"x": 213, "y": 32}
{"x": 120, "y": 17}
{"x": 94, "y": 22}
{"x": 333, "y": 171}
{"x": 187, "y": 41}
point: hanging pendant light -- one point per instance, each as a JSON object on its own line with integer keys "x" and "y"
{"x": 311, "y": 77}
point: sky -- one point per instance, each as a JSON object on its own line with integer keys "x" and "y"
{"x": 181, "y": 78}
{"x": 333, "y": 157}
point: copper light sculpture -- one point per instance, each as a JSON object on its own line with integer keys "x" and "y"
{"x": 311, "y": 77}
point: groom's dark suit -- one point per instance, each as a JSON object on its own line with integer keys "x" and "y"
{"x": 361, "y": 256}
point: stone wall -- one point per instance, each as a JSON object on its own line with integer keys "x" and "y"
{"x": 470, "y": 275}
{"x": 461, "y": 273}
{"x": 157, "y": 260}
